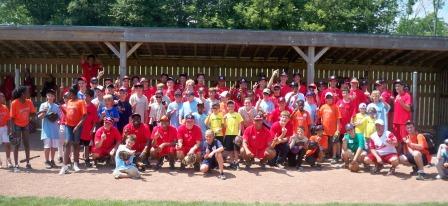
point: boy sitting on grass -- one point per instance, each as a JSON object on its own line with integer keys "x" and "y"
{"x": 124, "y": 160}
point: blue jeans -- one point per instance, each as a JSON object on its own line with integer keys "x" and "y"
{"x": 71, "y": 136}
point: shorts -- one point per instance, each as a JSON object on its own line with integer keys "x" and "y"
{"x": 167, "y": 150}
{"x": 51, "y": 143}
{"x": 72, "y": 137}
{"x": 384, "y": 158}
{"x": 210, "y": 162}
{"x": 258, "y": 153}
{"x": 411, "y": 159}
{"x": 85, "y": 143}
{"x": 229, "y": 143}
{"x": 16, "y": 128}
{"x": 399, "y": 130}
{"x": 221, "y": 139}
{"x": 4, "y": 137}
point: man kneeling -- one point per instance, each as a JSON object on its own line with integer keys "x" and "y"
{"x": 107, "y": 139}
{"x": 382, "y": 149}
{"x": 352, "y": 148}
{"x": 124, "y": 160}
{"x": 257, "y": 143}
{"x": 212, "y": 153}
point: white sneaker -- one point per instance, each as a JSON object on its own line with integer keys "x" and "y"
{"x": 16, "y": 169}
{"x": 75, "y": 167}
{"x": 64, "y": 170}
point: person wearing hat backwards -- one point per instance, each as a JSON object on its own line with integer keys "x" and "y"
{"x": 382, "y": 150}
{"x": 163, "y": 143}
{"x": 402, "y": 113}
{"x": 106, "y": 141}
{"x": 142, "y": 134}
{"x": 257, "y": 143}
{"x": 337, "y": 93}
{"x": 189, "y": 137}
{"x": 330, "y": 118}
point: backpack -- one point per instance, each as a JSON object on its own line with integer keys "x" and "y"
{"x": 430, "y": 142}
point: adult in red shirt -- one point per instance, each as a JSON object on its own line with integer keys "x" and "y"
{"x": 357, "y": 95}
{"x": 142, "y": 134}
{"x": 189, "y": 138}
{"x": 297, "y": 78}
{"x": 257, "y": 141}
{"x": 282, "y": 131}
{"x": 221, "y": 87}
{"x": 164, "y": 138}
{"x": 148, "y": 91}
{"x": 275, "y": 115}
{"x": 285, "y": 88}
{"x": 347, "y": 110}
{"x": 90, "y": 66}
{"x": 107, "y": 139}
{"x": 337, "y": 94}
{"x": 402, "y": 112}
{"x": 200, "y": 85}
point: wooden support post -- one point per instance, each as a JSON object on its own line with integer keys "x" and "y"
{"x": 123, "y": 57}
{"x": 414, "y": 97}
{"x": 133, "y": 49}
{"x": 17, "y": 77}
{"x": 311, "y": 58}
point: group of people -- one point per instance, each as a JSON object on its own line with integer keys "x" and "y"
{"x": 134, "y": 125}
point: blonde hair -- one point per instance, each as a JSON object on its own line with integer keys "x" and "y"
{"x": 108, "y": 97}
{"x": 209, "y": 132}
{"x": 190, "y": 81}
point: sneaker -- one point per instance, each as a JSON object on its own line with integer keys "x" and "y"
{"x": 28, "y": 166}
{"x": 88, "y": 164}
{"x": 48, "y": 164}
{"x": 76, "y": 167}
{"x": 333, "y": 161}
{"x": 263, "y": 166}
{"x": 53, "y": 164}
{"x": 60, "y": 160}
{"x": 196, "y": 166}
{"x": 222, "y": 176}
{"x": 64, "y": 170}
{"x": 159, "y": 164}
{"x": 182, "y": 166}
{"x": 391, "y": 171}
{"x": 420, "y": 176}
{"x": 317, "y": 166}
{"x": 9, "y": 164}
{"x": 414, "y": 171}
{"x": 16, "y": 169}
{"x": 440, "y": 177}
{"x": 299, "y": 168}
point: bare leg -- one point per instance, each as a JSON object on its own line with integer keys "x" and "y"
{"x": 26, "y": 145}
{"x": 47, "y": 154}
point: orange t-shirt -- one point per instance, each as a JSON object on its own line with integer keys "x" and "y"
{"x": 329, "y": 115}
{"x": 421, "y": 140}
{"x": 20, "y": 112}
{"x": 75, "y": 110}
{"x": 4, "y": 115}
{"x": 301, "y": 119}
{"x": 323, "y": 141}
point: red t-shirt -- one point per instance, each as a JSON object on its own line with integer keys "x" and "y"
{"x": 112, "y": 137}
{"x": 189, "y": 136}
{"x": 387, "y": 96}
{"x": 89, "y": 71}
{"x": 142, "y": 135}
{"x": 275, "y": 115}
{"x": 284, "y": 89}
{"x": 401, "y": 116}
{"x": 360, "y": 97}
{"x": 337, "y": 95}
{"x": 276, "y": 129}
{"x": 347, "y": 110}
{"x": 168, "y": 135}
{"x": 257, "y": 139}
{"x": 148, "y": 93}
{"x": 221, "y": 89}
{"x": 89, "y": 123}
{"x": 303, "y": 89}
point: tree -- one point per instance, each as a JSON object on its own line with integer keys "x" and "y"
{"x": 89, "y": 12}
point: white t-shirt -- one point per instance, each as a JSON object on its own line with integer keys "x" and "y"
{"x": 141, "y": 104}
{"x": 380, "y": 143}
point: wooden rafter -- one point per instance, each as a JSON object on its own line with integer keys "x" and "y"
{"x": 86, "y": 47}
{"x": 57, "y": 49}
{"x": 284, "y": 54}
{"x": 254, "y": 54}
{"x": 164, "y": 49}
{"x": 148, "y": 47}
{"x": 241, "y": 51}
{"x": 358, "y": 55}
{"x": 226, "y": 48}
{"x": 69, "y": 46}
{"x": 270, "y": 52}
{"x": 369, "y": 57}
{"x": 389, "y": 56}
{"x": 343, "y": 56}
{"x": 419, "y": 60}
{"x": 40, "y": 47}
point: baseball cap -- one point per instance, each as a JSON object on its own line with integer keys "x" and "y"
{"x": 446, "y": 141}
{"x": 267, "y": 91}
{"x": 224, "y": 94}
{"x": 349, "y": 127}
{"x": 143, "y": 79}
{"x": 135, "y": 114}
{"x": 82, "y": 79}
{"x": 99, "y": 87}
{"x": 108, "y": 119}
{"x": 399, "y": 81}
{"x": 189, "y": 117}
{"x": 181, "y": 75}
{"x": 94, "y": 80}
{"x": 318, "y": 128}
{"x": 277, "y": 86}
{"x": 332, "y": 77}
{"x": 108, "y": 79}
{"x": 170, "y": 79}
{"x": 321, "y": 82}
{"x": 354, "y": 80}
{"x": 221, "y": 78}
{"x": 379, "y": 82}
{"x": 258, "y": 117}
{"x": 262, "y": 77}
{"x": 328, "y": 94}
{"x": 281, "y": 99}
{"x": 243, "y": 80}
{"x": 293, "y": 84}
{"x": 178, "y": 93}
{"x": 50, "y": 91}
{"x": 362, "y": 106}
{"x": 164, "y": 118}
{"x": 379, "y": 121}
{"x": 284, "y": 73}
{"x": 123, "y": 89}
{"x": 126, "y": 77}
{"x": 110, "y": 86}
{"x": 310, "y": 94}
{"x": 312, "y": 85}
{"x": 138, "y": 84}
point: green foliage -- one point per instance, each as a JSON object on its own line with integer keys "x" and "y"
{"x": 363, "y": 16}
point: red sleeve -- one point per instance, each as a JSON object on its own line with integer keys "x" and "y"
{"x": 153, "y": 132}
{"x": 247, "y": 133}
{"x": 116, "y": 134}
{"x": 275, "y": 129}
{"x": 98, "y": 134}
{"x": 174, "y": 133}
{"x": 408, "y": 99}
{"x": 371, "y": 144}
{"x": 180, "y": 132}
{"x": 147, "y": 132}
{"x": 392, "y": 137}
{"x": 198, "y": 133}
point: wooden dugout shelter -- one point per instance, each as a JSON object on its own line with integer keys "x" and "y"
{"x": 420, "y": 61}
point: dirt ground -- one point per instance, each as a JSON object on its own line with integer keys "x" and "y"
{"x": 273, "y": 185}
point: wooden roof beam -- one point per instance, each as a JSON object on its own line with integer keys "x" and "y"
{"x": 164, "y": 49}
{"x": 38, "y": 46}
{"x": 226, "y": 48}
{"x": 389, "y": 56}
{"x": 133, "y": 49}
{"x": 396, "y": 58}
{"x": 11, "y": 49}
{"x": 57, "y": 49}
{"x": 284, "y": 54}
{"x": 346, "y": 54}
{"x": 69, "y": 46}
{"x": 270, "y": 52}
{"x": 358, "y": 55}
{"x": 254, "y": 54}
{"x": 368, "y": 58}
{"x": 148, "y": 47}
{"x": 87, "y": 48}
{"x": 406, "y": 58}
{"x": 427, "y": 55}
{"x": 23, "y": 49}
{"x": 241, "y": 51}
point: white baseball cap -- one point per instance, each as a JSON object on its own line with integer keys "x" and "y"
{"x": 328, "y": 94}
{"x": 362, "y": 106}
{"x": 379, "y": 121}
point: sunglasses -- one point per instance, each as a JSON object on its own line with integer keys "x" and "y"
{"x": 158, "y": 97}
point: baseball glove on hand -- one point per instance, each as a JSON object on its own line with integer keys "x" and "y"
{"x": 189, "y": 159}
{"x": 53, "y": 117}
{"x": 353, "y": 166}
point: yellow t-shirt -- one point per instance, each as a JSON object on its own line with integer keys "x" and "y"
{"x": 216, "y": 122}
{"x": 233, "y": 121}
{"x": 359, "y": 129}
{"x": 369, "y": 123}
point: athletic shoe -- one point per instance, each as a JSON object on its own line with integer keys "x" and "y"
{"x": 263, "y": 166}
{"x": 414, "y": 171}
{"x": 48, "y": 164}
{"x": 60, "y": 160}
{"x": 196, "y": 166}
{"x": 28, "y": 166}
{"x": 222, "y": 176}
{"x": 64, "y": 170}
{"x": 391, "y": 171}
{"x": 182, "y": 166}
{"x": 299, "y": 168}
{"x": 333, "y": 161}
{"x": 88, "y": 164}
{"x": 440, "y": 177}
{"x": 76, "y": 167}
{"x": 16, "y": 169}
{"x": 9, "y": 164}
{"x": 53, "y": 164}
{"x": 420, "y": 176}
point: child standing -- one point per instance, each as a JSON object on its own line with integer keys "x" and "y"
{"x": 49, "y": 113}
{"x": 5, "y": 130}
{"x": 233, "y": 123}
{"x": 89, "y": 126}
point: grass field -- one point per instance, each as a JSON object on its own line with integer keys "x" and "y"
{"x": 34, "y": 201}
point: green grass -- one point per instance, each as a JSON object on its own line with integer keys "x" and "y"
{"x": 34, "y": 201}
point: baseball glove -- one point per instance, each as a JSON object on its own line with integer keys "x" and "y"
{"x": 353, "y": 166}
{"x": 53, "y": 117}
{"x": 189, "y": 159}
{"x": 124, "y": 155}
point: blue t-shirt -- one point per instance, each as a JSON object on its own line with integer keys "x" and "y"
{"x": 199, "y": 120}
{"x": 125, "y": 111}
{"x": 119, "y": 163}
{"x": 382, "y": 112}
{"x": 207, "y": 148}
{"x": 267, "y": 106}
{"x": 174, "y": 118}
{"x": 50, "y": 129}
{"x": 189, "y": 108}
{"x": 112, "y": 113}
